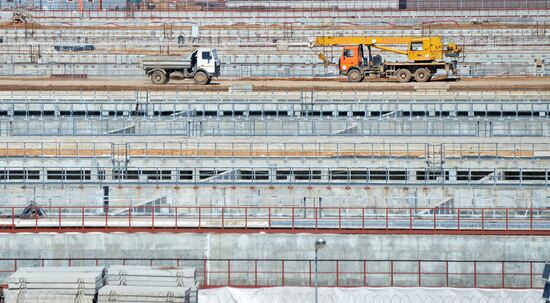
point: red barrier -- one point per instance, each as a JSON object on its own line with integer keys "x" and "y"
{"x": 333, "y": 273}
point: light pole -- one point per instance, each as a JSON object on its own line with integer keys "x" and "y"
{"x": 319, "y": 243}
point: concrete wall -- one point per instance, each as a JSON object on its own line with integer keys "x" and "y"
{"x": 278, "y": 195}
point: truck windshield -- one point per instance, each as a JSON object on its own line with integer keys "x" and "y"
{"x": 215, "y": 54}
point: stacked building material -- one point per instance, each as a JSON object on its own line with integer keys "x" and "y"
{"x": 54, "y": 284}
{"x": 175, "y": 279}
{"x": 140, "y": 294}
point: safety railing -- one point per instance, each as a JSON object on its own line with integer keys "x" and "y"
{"x": 380, "y": 99}
{"x": 298, "y": 219}
{"x": 276, "y": 150}
{"x": 332, "y": 272}
{"x": 264, "y": 126}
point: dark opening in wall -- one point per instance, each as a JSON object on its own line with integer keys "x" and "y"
{"x": 125, "y": 174}
{"x": 55, "y": 175}
{"x": 186, "y": 175}
{"x": 402, "y": 4}
{"x": 254, "y": 175}
{"x": 525, "y": 175}
{"x": 398, "y": 175}
{"x": 378, "y": 175}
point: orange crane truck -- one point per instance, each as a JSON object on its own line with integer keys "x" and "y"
{"x": 425, "y": 57}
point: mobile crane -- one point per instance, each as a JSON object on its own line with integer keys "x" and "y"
{"x": 425, "y": 57}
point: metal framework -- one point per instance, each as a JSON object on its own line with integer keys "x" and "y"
{"x": 334, "y": 273}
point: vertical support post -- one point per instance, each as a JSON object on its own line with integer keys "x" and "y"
{"x": 446, "y": 273}
{"x": 316, "y": 276}
{"x": 458, "y": 219}
{"x": 530, "y": 219}
{"x": 475, "y": 274}
{"x": 129, "y": 217}
{"x": 269, "y": 218}
{"x": 283, "y": 272}
{"x": 506, "y": 218}
{"x": 387, "y": 214}
{"x": 530, "y": 274}
{"x": 199, "y": 217}
{"x": 228, "y": 272}
{"x": 363, "y": 216}
{"x": 391, "y": 273}
{"x": 419, "y": 274}
{"x": 292, "y": 218}
{"x": 502, "y": 274}
{"x": 246, "y": 218}
{"x": 435, "y": 216}
{"x": 255, "y": 272}
{"x": 204, "y": 273}
{"x": 482, "y": 219}
{"x": 309, "y": 265}
{"x": 365, "y": 273}
{"x": 337, "y": 273}
{"x": 223, "y": 217}
{"x": 339, "y": 218}
{"x": 410, "y": 218}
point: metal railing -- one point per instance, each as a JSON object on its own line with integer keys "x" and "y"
{"x": 153, "y": 217}
{"x": 332, "y": 272}
{"x": 189, "y": 149}
{"x": 298, "y": 126}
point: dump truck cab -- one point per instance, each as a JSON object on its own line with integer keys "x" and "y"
{"x": 207, "y": 60}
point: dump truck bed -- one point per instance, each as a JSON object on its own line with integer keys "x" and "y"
{"x": 169, "y": 62}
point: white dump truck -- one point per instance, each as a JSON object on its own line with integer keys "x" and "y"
{"x": 202, "y": 65}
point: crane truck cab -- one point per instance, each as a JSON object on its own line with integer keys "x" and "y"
{"x": 201, "y": 65}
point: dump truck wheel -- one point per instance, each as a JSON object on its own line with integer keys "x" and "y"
{"x": 159, "y": 78}
{"x": 422, "y": 75}
{"x": 201, "y": 78}
{"x": 404, "y": 75}
{"x": 355, "y": 76}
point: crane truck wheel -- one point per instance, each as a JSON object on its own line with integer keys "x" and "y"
{"x": 355, "y": 76}
{"x": 159, "y": 78}
{"x": 403, "y": 75}
{"x": 200, "y": 78}
{"x": 422, "y": 75}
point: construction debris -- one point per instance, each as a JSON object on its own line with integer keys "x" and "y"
{"x": 22, "y": 16}
{"x": 32, "y": 211}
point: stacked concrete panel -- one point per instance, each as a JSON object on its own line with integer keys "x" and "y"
{"x": 122, "y": 280}
{"x": 138, "y": 294}
{"x": 55, "y": 284}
